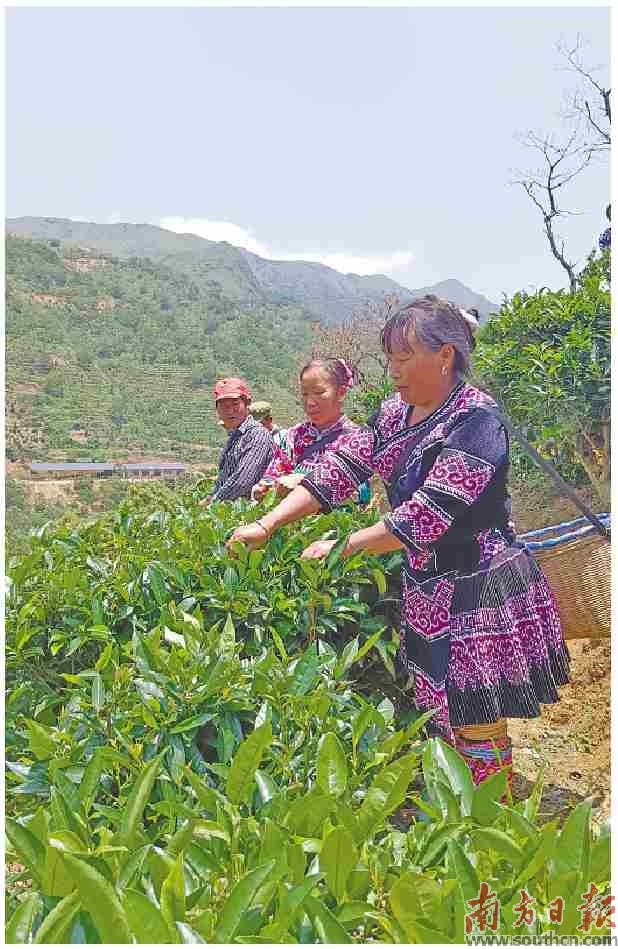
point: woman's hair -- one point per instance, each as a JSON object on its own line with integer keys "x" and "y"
{"x": 338, "y": 371}
{"x": 435, "y": 323}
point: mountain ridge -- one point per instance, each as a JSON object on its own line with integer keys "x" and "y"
{"x": 326, "y": 294}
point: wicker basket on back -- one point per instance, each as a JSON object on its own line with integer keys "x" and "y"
{"x": 577, "y": 563}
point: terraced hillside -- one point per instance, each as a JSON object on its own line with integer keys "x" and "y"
{"x": 108, "y": 354}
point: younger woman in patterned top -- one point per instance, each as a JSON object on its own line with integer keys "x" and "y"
{"x": 480, "y": 636}
{"x": 324, "y": 384}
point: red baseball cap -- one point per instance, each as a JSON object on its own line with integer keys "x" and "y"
{"x": 231, "y": 389}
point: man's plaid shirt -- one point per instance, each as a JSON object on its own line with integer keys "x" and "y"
{"x": 243, "y": 461}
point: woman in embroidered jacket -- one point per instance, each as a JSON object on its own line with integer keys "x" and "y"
{"x": 480, "y": 634}
{"x": 324, "y": 384}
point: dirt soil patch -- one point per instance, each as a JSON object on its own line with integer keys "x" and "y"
{"x": 572, "y": 738}
{"x": 61, "y": 489}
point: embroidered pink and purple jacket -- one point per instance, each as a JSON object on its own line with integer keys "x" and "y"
{"x": 292, "y": 442}
{"x": 481, "y": 635}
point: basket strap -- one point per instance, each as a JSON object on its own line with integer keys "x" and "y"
{"x": 549, "y": 469}
{"x": 558, "y": 541}
{"x": 566, "y": 525}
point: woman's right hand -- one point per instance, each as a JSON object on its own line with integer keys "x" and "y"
{"x": 252, "y": 535}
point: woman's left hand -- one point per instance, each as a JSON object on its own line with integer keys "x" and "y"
{"x": 318, "y": 550}
{"x": 287, "y": 483}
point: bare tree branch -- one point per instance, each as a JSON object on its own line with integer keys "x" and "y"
{"x": 603, "y": 134}
{"x": 563, "y": 159}
{"x": 596, "y": 113}
{"x": 573, "y": 57}
{"x": 561, "y": 163}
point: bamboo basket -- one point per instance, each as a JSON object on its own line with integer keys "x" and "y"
{"x": 577, "y": 563}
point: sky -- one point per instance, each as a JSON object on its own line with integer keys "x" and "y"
{"x": 374, "y": 140}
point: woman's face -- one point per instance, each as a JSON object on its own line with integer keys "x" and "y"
{"x": 322, "y": 398}
{"x": 419, "y": 374}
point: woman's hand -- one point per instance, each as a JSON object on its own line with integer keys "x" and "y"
{"x": 318, "y": 549}
{"x": 204, "y": 502}
{"x": 259, "y": 490}
{"x": 287, "y": 483}
{"x": 252, "y": 535}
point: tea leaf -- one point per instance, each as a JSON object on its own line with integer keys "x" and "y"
{"x": 173, "y": 903}
{"x": 145, "y": 920}
{"x": 27, "y": 846}
{"x": 57, "y": 924}
{"x": 19, "y": 927}
{"x": 305, "y": 671}
{"x": 133, "y": 810}
{"x": 245, "y": 763}
{"x": 101, "y": 900}
{"x": 338, "y": 857}
{"x": 240, "y": 901}
{"x": 331, "y": 766}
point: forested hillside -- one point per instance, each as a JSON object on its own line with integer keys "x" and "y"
{"x": 127, "y": 351}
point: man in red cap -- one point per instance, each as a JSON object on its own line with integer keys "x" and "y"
{"x": 249, "y": 446}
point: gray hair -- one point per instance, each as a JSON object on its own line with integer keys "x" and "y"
{"x": 435, "y": 323}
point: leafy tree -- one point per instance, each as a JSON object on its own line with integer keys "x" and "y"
{"x": 547, "y": 357}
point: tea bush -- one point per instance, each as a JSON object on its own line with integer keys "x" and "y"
{"x": 199, "y": 750}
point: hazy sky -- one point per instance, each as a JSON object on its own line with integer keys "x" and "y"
{"x": 375, "y": 140}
